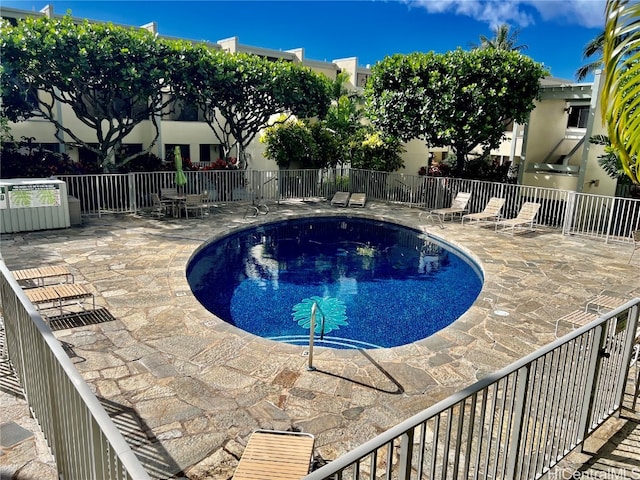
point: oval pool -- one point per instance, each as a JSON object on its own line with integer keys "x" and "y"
{"x": 375, "y": 284}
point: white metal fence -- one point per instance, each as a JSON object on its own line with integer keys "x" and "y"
{"x": 83, "y": 440}
{"x": 597, "y": 216}
{"x": 516, "y": 423}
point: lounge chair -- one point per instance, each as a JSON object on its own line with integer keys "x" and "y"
{"x": 40, "y": 274}
{"x": 357, "y": 200}
{"x": 603, "y": 303}
{"x": 636, "y": 243}
{"x": 491, "y": 211}
{"x": 275, "y": 455}
{"x": 340, "y": 199}
{"x": 458, "y": 207}
{"x": 577, "y": 318}
{"x": 58, "y": 296}
{"x": 525, "y": 218}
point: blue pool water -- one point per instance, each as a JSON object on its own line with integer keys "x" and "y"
{"x": 378, "y": 284}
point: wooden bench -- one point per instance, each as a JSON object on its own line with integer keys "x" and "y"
{"x": 276, "y": 455}
{"x": 604, "y": 303}
{"x": 40, "y": 274}
{"x": 577, "y": 318}
{"x": 58, "y": 296}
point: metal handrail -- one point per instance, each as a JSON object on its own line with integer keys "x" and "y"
{"x": 83, "y": 439}
{"x": 522, "y": 434}
{"x": 315, "y": 307}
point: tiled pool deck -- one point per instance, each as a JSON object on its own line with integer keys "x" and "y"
{"x": 200, "y": 386}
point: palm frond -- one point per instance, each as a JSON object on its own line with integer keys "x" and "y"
{"x": 621, "y": 87}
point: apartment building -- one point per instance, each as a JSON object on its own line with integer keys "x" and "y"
{"x": 551, "y": 150}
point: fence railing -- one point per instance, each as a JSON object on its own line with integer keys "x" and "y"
{"x": 516, "y": 423}
{"x": 83, "y": 440}
{"x": 596, "y": 216}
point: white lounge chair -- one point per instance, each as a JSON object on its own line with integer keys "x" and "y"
{"x": 357, "y": 200}
{"x": 458, "y": 207}
{"x": 525, "y": 218}
{"x": 340, "y": 199}
{"x": 491, "y": 211}
{"x": 272, "y": 454}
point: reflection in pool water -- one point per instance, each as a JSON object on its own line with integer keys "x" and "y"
{"x": 397, "y": 285}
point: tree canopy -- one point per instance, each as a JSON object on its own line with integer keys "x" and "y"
{"x": 459, "y": 99}
{"x": 239, "y": 93}
{"x": 112, "y": 78}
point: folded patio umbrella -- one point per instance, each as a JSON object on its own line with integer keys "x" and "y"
{"x": 180, "y": 178}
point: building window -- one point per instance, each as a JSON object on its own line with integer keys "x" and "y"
{"x": 169, "y": 149}
{"x": 209, "y": 152}
{"x": 578, "y": 116}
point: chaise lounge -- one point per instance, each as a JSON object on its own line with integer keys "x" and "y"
{"x": 340, "y": 199}
{"x": 58, "y": 296}
{"x": 276, "y": 455}
{"x": 458, "y": 207}
{"x": 525, "y": 218}
{"x": 491, "y": 211}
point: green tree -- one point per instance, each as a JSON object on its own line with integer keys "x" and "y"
{"x": 459, "y": 99}
{"x": 503, "y": 39}
{"x": 374, "y": 150}
{"x": 593, "y": 49}
{"x": 289, "y": 141}
{"x": 111, "y": 77}
{"x": 620, "y": 96}
{"x": 239, "y": 93}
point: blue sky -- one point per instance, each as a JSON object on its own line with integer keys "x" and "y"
{"x": 555, "y": 31}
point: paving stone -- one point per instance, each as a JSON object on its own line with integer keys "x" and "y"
{"x": 201, "y": 386}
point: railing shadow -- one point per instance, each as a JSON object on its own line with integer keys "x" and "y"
{"x": 399, "y": 388}
{"x": 154, "y": 458}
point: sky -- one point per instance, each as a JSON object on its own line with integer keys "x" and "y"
{"x": 554, "y": 31}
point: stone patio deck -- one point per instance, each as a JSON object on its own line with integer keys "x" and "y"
{"x": 187, "y": 389}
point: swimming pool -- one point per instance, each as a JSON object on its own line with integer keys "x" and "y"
{"x": 377, "y": 284}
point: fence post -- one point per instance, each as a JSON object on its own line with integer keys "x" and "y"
{"x": 610, "y": 220}
{"x": 591, "y": 382}
{"x": 133, "y": 204}
{"x": 521, "y": 399}
{"x": 406, "y": 455}
{"x": 569, "y": 212}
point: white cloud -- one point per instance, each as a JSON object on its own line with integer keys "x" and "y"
{"x": 587, "y": 13}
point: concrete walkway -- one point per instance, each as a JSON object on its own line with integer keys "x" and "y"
{"x": 187, "y": 389}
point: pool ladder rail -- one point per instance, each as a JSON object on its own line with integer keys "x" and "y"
{"x": 256, "y": 209}
{"x": 258, "y": 206}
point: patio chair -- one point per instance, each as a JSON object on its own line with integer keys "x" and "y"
{"x": 194, "y": 202}
{"x": 577, "y": 318}
{"x": 158, "y": 208}
{"x": 525, "y": 218}
{"x": 358, "y": 199}
{"x": 166, "y": 193}
{"x": 340, "y": 199}
{"x": 491, "y": 211}
{"x": 636, "y": 243}
{"x": 458, "y": 207}
{"x": 58, "y": 296}
{"x": 272, "y": 454}
{"x": 40, "y": 274}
